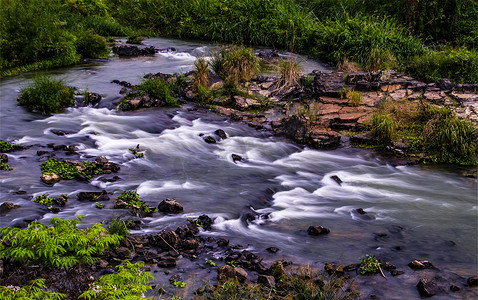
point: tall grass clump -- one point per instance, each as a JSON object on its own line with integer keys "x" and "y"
{"x": 355, "y": 97}
{"x": 450, "y": 139}
{"x": 200, "y": 73}
{"x": 289, "y": 73}
{"x": 383, "y": 126}
{"x": 160, "y": 89}
{"x": 359, "y": 38}
{"x": 459, "y": 64}
{"x": 91, "y": 45}
{"x": 235, "y": 64}
{"x": 46, "y": 95}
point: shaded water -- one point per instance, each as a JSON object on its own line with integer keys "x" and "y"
{"x": 426, "y": 212}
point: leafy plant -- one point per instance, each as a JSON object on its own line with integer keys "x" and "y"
{"x": 137, "y": 152}
{"x": 43, "y": 199}
{"x": 68, "y": 171}
{"x": 132, "y": 200}
{"x": 33, "y": 291}
{"x": 46, "y": 95}
{"x": 369, "y": 265}
{"x": 130, "y": 282}
{"x": 61, "y": 245}
{"x": 178, "y": 283}
{"x": 8, "y": 147}
{"x": 383, "y": 126}
{"x": 99, "y": 205}
{"x": 91, "y": 45}
{"x": 200, "y": 73}
{"x": 211, "y": 263}
{"x": 118, "y": 227}
{"x": 5, "y": 167}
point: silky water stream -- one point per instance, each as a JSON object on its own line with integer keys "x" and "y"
{"x": 413, "y": 212}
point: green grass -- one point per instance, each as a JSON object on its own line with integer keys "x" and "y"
{"x": 355, "y": 97}
{"x": 235, "y": 64}
{"x": 200, "y": 73}
{"x": 159, "y": 89}
{"x": 46, "y": 95}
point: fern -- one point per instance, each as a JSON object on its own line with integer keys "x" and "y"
{"x": 34, "y": 291}
{"x": 59, "y": 245}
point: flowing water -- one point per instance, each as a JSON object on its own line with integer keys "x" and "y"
{"x": 413, "y": 212}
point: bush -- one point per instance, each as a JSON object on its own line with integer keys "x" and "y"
{"x": 46, "y": 95}
{"x": 60, "y": 245}
{"x": 128, "y": 283}
{"x": 159, "y": 89}
{"x": 235, "y": 64}
{"x": 91, "y": 45}
{"x": 289, "y": 73}
{"x": 200, "y": 73}
{"x": 459, "y": 64}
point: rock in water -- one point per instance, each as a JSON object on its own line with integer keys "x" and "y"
{"x": 427, "y": 287}
{"x": 170, "y": 206}
{"x": 317, "y": 230}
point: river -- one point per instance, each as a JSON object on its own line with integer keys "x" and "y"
{"x": 413, "y": 212}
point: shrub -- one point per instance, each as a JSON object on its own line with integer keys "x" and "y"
{"x": 200, "y": 73}
{"x": 46, "y": 95}
{"x": 459, "y": 64}
{"x": 129, "y": 283}
{"x": 131, "y": 198}
{"x": 159, "y": 89}
{"x": 91, "y": 45}
{"x": 60, "y": 245}
{"x": 235, "y": 64}
{"x": 33, "y": 291}
{"x": 355, "y": 97}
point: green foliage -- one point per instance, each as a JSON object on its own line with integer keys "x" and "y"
{"x": 129, "y": 283}
{"x": 459, "y": 64}
{"x": 7, "y": 147}
{"x": 43, "y": 199}
{"x": 135, "y": 39}
{"x": 359, "y": 38}
{"x": 235, "y": 64}
{"x": 118, "y": 227}
{"x": 46, "y": 95}
{"x": 5, "y": 167}
{"x": 203, "y": 94}
{"x": 60, "y": 245}
{"x": 137, "y": 152}
{"x": 159, "y": 89}
{"x": 381, "y": 59}
{"x": 355, "y": 97}
{"x": 99, "y": 205}
{"x": 383, "y": 126}
{"x": 91, "y": 45}
{"x": 131, "y": 198}
{"x": 369, "y": 265}
{"x": 178, "y": 283}
{"x": 34, "y": 291}
{"x": 450, "y": 139}
{"x": 211, "y": 263}
{"x": 68, "y": 171}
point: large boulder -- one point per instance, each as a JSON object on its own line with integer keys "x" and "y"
{"x": 93, "y": 196}
{"x": 130, "y": 50}
{"x": 428, "y": 288}
{"x": 50, "y": 178}
{"x": 171, "y": 206}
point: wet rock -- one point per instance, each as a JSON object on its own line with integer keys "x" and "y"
{"x": 210, "y": 140}
{"x": 81, "y": 177}
{"x": 351, "y": 267}
{"x": 205, "y": 221}
{"x": 50, "y": 178}
{"x": 427, "y": 288}
{"x": 227, "y": 272}
{"x": 112, "y": 167}
{"x": 421, "y": 265}
{"x": 388, "y": 266}
{"x": 167, "y": 263}
{"x": 317, "y": 230}
{"x": 267, "y": 281}
{"x": 454, "y": 288}
{"x": 222, "y": 242}
{"x": 61, "y": 201}
{"x": 92, "y": 98}
{"x": 299, "y": 129}
{"x": 130, "y": 50}
{"x": 60, "y": 132}
{"x": 336, "y": 179}
{"x": 367, "y": 138}
{"x": 93, "y": 196}
{"x": 170, "y": 206}
{"x": 41, "y": 152}
{"x": 5, "y": 207}
{"x": 472, "y": 281}
{"x": 221, "y": 133}
{"x": 336, "y": 270}
{"x": 236, "y": 158}
{"x": 101, "y": 160}
{"x": 186, "y": 231}
{"x": 273, "y": 249}
{"x": 277, "y": 270}
{"x": 445, "y": 84}
{"x": 3, "y": 158}
{"x": 189, "y": 244}
{"x": 166, "y": 239}
{"x": 396, "y": 273}
{"x": 207, "y": 289}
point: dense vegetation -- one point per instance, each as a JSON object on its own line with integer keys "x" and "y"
{"x": 39, "y": 34}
